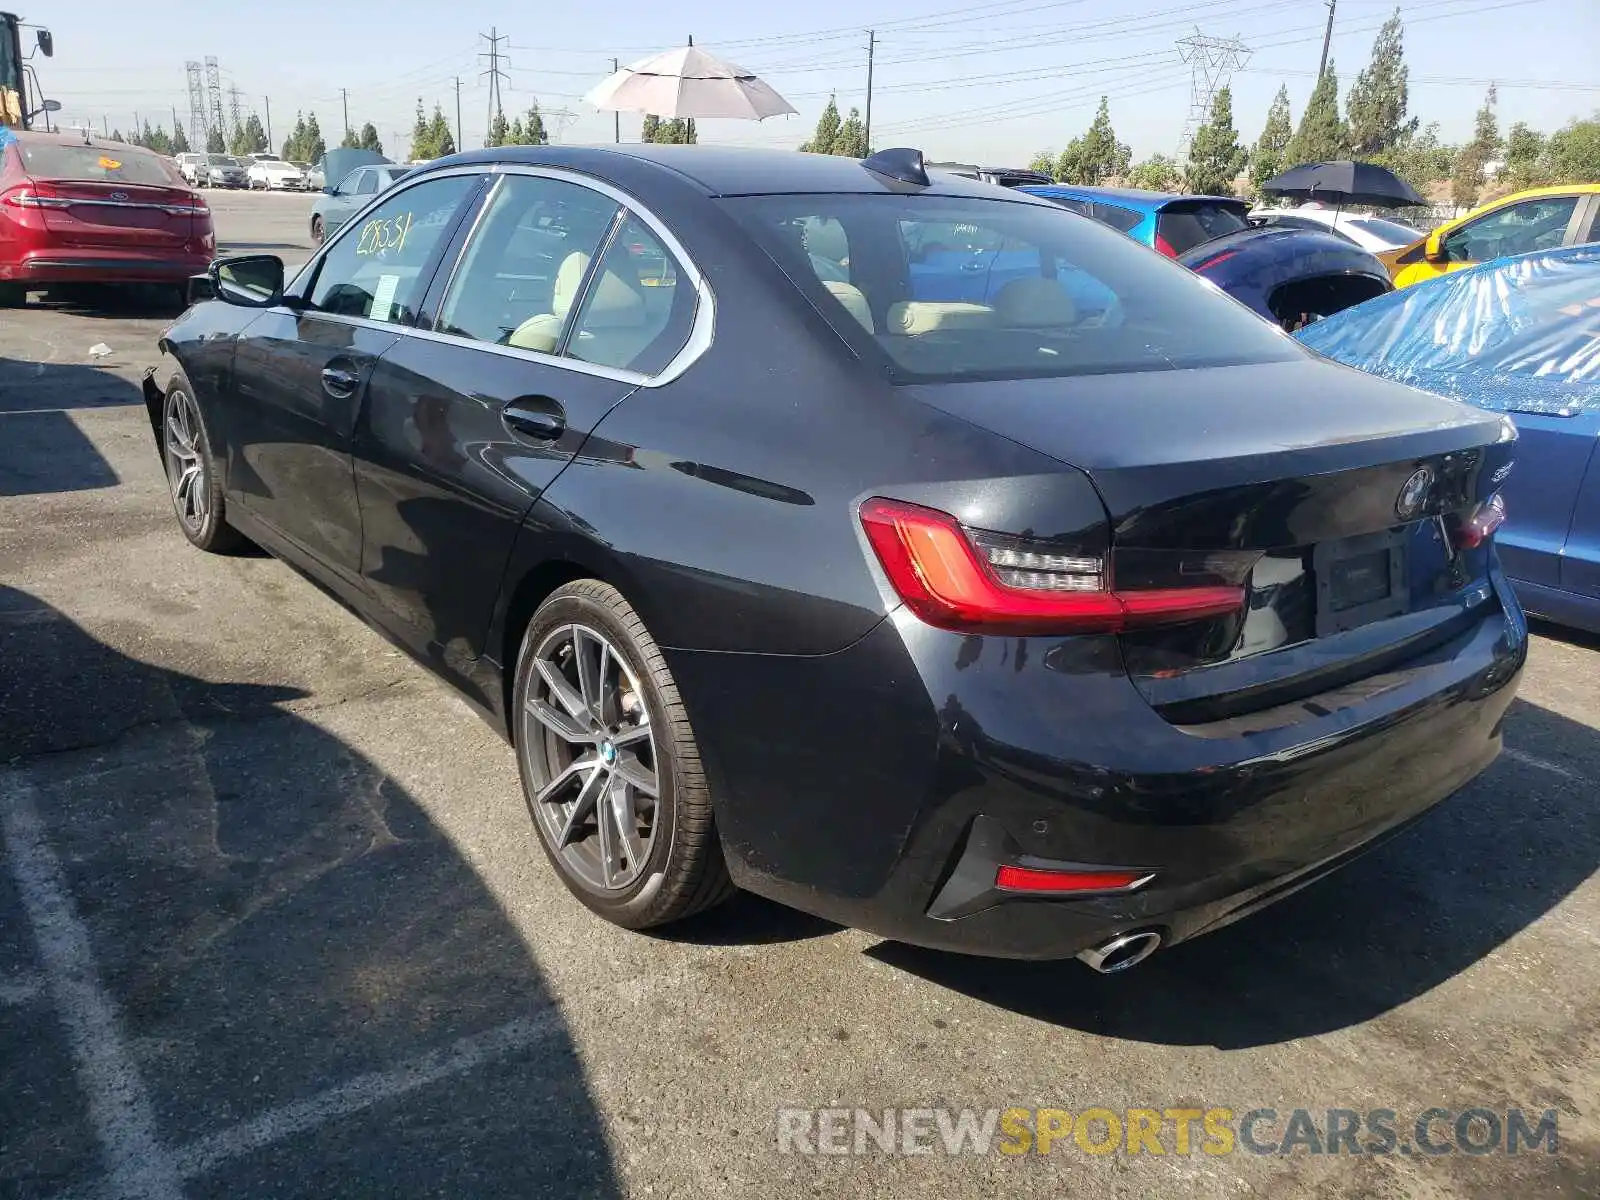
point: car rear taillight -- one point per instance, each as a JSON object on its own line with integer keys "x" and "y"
{"x": 34, "y": 195}
{"x": 1165, "y": 247}
{"x": 196, "y": 209}
{"x": 1041, "y": 882}
{"x": 981, "y": 583}
{"x": 1478, "y": 526}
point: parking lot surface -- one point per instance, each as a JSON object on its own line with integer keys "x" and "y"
{"x": 274, "y": 921}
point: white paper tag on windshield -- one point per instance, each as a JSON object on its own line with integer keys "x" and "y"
{"x": 383, "y": 297}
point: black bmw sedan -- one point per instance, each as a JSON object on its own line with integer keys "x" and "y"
{"x": 909, "y": 550}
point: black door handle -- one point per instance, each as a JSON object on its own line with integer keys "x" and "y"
{"x": 339, "y": 381}
{"x": 536, "y": 417}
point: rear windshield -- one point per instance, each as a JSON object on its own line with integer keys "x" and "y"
{"x": 935, "y": 288}
{"x": 1183, "y": 225}
{"x": 1389, "y": 231}
{"x": 122, "y": 164}
{"x": 222, "y": 160}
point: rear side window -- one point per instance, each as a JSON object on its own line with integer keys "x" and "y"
{"x": 119, "y": 164}
{"x": 1184, "y": 224}
{"x": 944, "y": 288}
{"x": 638, "y": 308}
{"x": 1119, "y": 218}
{"x": 1389, "y": 231}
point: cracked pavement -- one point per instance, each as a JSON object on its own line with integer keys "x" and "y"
{"x": 273, "y": 921}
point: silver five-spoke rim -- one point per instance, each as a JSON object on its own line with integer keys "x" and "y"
{"x": 591, "y": 755}
{"x": 186, "y": 473}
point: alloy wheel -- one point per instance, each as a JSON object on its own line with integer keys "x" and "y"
{"x": 591, "y": 753}
{"x": 186, "y": 467}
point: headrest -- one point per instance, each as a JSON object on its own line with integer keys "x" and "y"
{"x": 568, "y": 278}
{"x": 854, "y": 302}
{"x": 926, "y": 316}
{"x": 826, "y": 238}
{"x": 1033, "y": 303}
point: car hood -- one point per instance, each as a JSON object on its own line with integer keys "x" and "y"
{"x": 336, "y": 164}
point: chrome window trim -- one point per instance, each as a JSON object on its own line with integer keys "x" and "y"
{"x": 701, "y": 329}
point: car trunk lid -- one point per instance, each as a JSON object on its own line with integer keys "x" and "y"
{"x": 97, "y": 197}
{"x": 1333, "y": 496}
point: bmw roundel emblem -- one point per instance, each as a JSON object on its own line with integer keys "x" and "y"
{"x": 1414, "y": 494}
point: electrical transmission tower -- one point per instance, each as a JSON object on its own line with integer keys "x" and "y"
{"x": 556, "y": 122}
{"x": 197, "y": 106}
{"x": 494, "y": 74}
{"x": 233, "y": 106}
{"x": 214, "y": 95}
{"x": 1212, "y": 62}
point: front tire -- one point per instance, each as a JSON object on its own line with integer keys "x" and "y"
{"x": 609, "y": 765}
{"x": 192, "y": 477}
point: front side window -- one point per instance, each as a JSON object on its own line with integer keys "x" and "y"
{"x": 638, "y": 307}
{"x": 1028, "y": 292}
{"x": 376, "y": 269}
{"x": 521, "y": 274}
{"x": 1515, "y": 229}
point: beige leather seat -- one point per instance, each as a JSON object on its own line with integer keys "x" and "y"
{"x": 615, "y": 324}
{"x": 1034, "y": 303}
{"x": 910, "y": 317}
{"x": 854, "y": 302}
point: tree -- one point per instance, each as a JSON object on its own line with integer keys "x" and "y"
{"x": 533, "y": 127}
{"x": 1267, "y": 159}
{"x": 1421, "y": 160}
{"x": 314, "y": 147}
{"x": 679, "y": 131}
{"x": 1573, "y": 152}
{"x": 652, "y": 128}
{"x": 1322, "y": 134}
{"x": 1097, "y": 155}
{"x": 1378, "y": 98}
{"x": 349, "y": 141}
{"x": 852, "y": 139}
{"x": 369, "y": 139}
{"x": 294, "y": 144}
{"x": 216, "y": 143}
{"x": 1044, "y": 161}
{"x": 1215, "y": 155}
{"x": 1525, "y": 147}
{"x": 440, "y": 140}
{"x": 1157, "y": 173}
{"x": 827, "y": 131}
{"x": 180, "y": 141}
{"x": 155, "y": 139}
{"x": 1475, "y": 156}
{"x": 249, "y": 137}
{"x": 499, "y": 131}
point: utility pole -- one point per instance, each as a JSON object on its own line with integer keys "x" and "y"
{"x": 105, "y": 129}
{"x": 138, "y": 129}
{"x": 1327, "y": 36}
{"x": 344, "y": 98}
{"x": 616, "y": 117}
{"x": 266, "y": 102}
{"x": 460, "y": 145}
{"x": 872, "y": 45}
{"x": 494, "y": 37}
{"x": 174, "y": 122}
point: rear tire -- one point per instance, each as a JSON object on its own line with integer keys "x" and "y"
{"x": 598, "y": 724}
{"x": 193, "y": 480}
{"x": 316, "y": 229}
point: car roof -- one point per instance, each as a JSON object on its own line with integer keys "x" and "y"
{"x": 1130, "y": 197}
{"x": 729, "y": 170}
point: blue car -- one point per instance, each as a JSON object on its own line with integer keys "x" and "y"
{"x": 1168, "y": 223}
{"x": 1519, "y": 336}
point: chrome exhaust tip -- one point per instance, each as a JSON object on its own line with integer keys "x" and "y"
{"x": 1121, "y": 952}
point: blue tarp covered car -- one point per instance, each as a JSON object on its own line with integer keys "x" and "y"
{"x": 1519, "y": 336}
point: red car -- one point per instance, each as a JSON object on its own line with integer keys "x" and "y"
{"x": 92, "y": 211}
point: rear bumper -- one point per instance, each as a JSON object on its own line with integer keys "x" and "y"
{"x": 101, "y": 266}
{"x": 859, "y": 785}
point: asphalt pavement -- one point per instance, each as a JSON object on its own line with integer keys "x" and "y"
{"x": 274, "y": 923}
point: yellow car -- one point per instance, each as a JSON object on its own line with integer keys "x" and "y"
{"x": 1537, "y": 219}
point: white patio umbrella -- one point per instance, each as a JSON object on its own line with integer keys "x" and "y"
{"x": 688, "y": 82}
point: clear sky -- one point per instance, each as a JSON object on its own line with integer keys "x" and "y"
{"x": 990, "y": 82}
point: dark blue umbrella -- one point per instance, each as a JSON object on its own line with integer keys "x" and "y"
{"x": 1342, "y": 183}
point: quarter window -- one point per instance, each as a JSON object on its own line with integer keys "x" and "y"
{"x": 376, "y": 269}
{"x": 638, "y": 307}
{"x": 523, "y": 271}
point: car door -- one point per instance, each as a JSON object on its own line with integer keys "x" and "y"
{"x": 1553, "y": 454}
{"x": 357, "y": 189}
{"x": 1538, "y": 223}
{"x": 561, "y": 302}
{"x": 300, "y": 369}
{"x": 1580, "y": 559}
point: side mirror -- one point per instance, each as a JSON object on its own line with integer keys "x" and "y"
{"x": 248, "y": 280}
{"x": 1433, "y": 248}
{"x": 201, "y": 288}
{"x": 329, "y": 189}
{"x": 47, "y": 44}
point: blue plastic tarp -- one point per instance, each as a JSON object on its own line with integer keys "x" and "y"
{"x": 1515, "y": 335}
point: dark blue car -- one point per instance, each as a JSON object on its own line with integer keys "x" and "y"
{"x": 1519, "y": 336}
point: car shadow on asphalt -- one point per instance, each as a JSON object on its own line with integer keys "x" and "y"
{"x": 318, "y": 995}
{"x": 1381, "y": 932}
{"x": 42, "y": 450}
{"x": 1580, "y": 638}
{"x": 111, "y": 302}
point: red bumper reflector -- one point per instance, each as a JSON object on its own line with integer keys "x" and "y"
{"x": 1027, "y": 879}
{"x": 1480, "y": 526}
